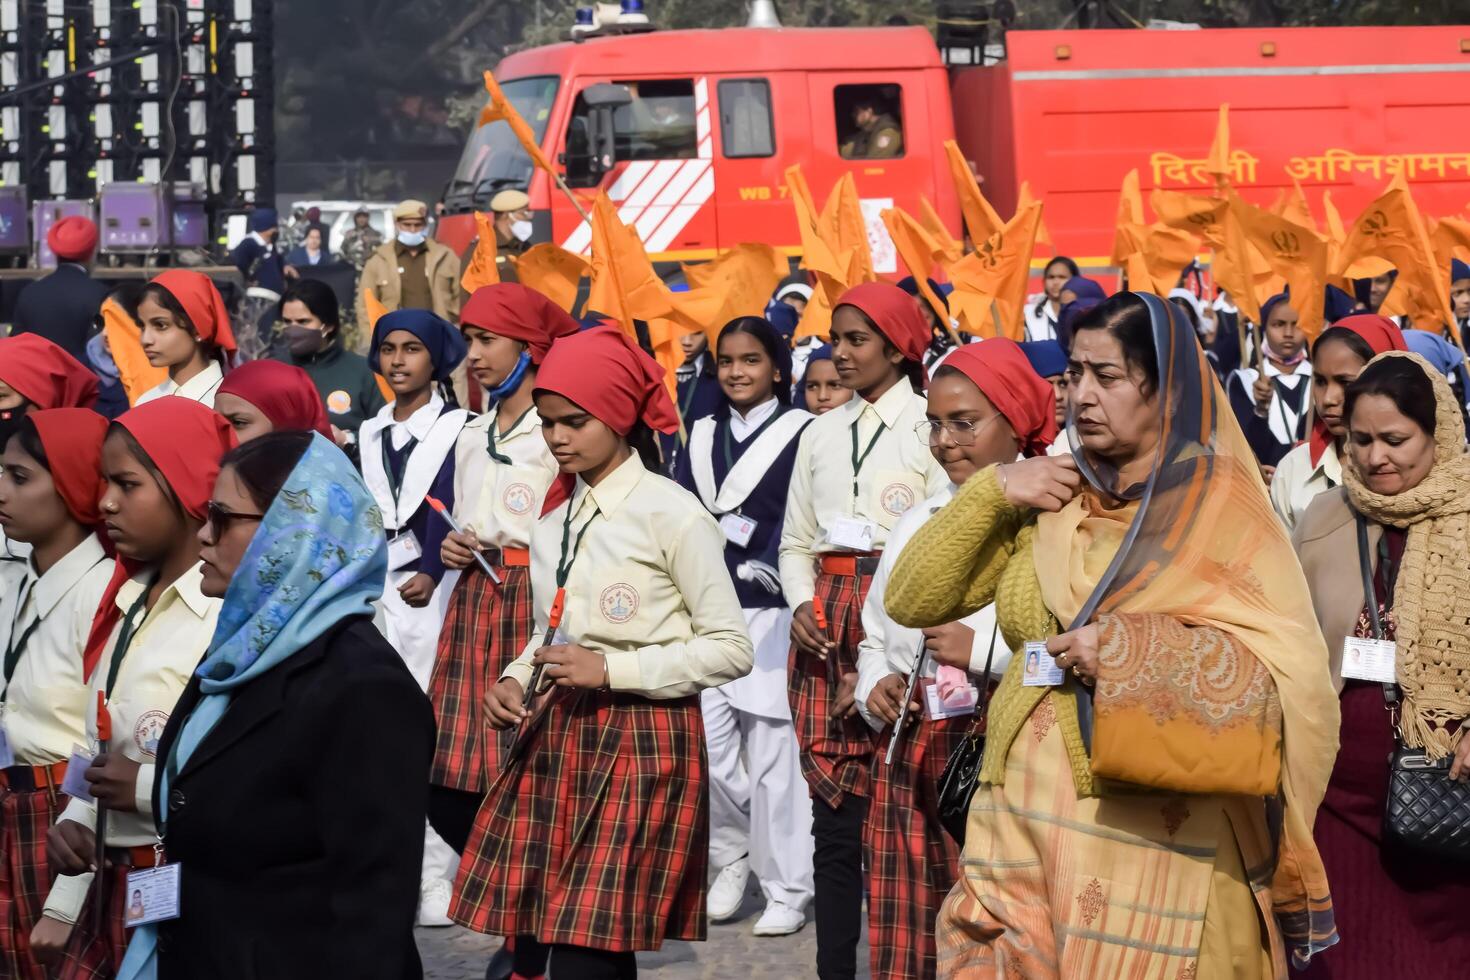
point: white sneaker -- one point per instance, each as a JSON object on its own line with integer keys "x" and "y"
{"x": 728, "y": 890}
{"x": 779, "y": 919}
{"x": 434, "y": 904}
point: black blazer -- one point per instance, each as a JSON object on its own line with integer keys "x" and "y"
{"x": 299, "y": 820}
{"x": 61, "y": 307}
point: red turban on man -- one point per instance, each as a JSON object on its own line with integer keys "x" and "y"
{"x": 73, "y": 239}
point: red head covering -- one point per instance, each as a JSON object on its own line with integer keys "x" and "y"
{"x": 1001, "y": 371}
{"x": 1381, "y": 334}
{"x": 202, "y": 302}
{"x": 895, "y": 313}
{"x": 285, "y": 394}
{"x": 605, "y": 372}
{"x": 45, "y": 374}
{"x": 508, "y": 309}
{"x": 185, "y": 441}
{"x": 73, "y": 239}
{"x": 72, "y": 438}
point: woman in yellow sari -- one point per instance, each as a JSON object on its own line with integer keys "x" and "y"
{"x": 1150, "y": 815}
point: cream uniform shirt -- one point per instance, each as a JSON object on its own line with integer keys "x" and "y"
{"x": 888, "y": 648}
{"x": 200, "y": 388}
{"x": 648, "y": 587}
{"x": 167, "y": 645}
{"x": 48, "y": 617}
{"x": 499, "y": 500}
{"x": 1297, "y": 482}
{"x": 898, "y": 473}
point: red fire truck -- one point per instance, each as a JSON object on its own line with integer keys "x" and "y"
{"x": 690, "y": 132}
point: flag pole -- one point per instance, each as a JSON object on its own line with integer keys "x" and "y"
{"x": 561, "y": 183}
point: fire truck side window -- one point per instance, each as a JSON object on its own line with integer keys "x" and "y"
{"x": 746, "y": 126}
{"x": 869, "y": 121}
{"x": 657, "y": 125}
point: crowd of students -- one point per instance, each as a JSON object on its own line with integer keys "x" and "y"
{"x": 558, "y": 671}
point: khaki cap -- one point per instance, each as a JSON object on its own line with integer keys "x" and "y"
{"x": 411, "y": 209}
{"x": 508, "y": 201}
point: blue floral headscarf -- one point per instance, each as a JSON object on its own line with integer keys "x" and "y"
{"x": 318, "y": 557}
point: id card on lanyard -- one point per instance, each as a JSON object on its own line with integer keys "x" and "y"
{"x": 854, "y": 533}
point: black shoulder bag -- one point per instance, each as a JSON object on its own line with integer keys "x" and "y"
{"x": 1426, "y": 812}
{"x": 962, "y": 772}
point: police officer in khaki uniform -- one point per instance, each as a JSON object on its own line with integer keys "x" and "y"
{"x": 361, "y": 240}
{"x": 878, "y": 136}
{"x": 413, "y": 271}
{"x": 512, "y": 210}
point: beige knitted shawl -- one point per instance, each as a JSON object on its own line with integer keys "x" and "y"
{"x": 1432, "y": 594}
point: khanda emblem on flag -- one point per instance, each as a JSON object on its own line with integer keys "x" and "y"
{"x": 988, "y": 253}
{"x": 1286, "y": 243}
{"x": 1374, "y": 223}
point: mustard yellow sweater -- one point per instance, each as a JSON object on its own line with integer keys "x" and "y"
{"x": 975, "y": 551}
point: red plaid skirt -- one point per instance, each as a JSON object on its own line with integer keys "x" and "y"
{"x": 834, "y": 753}
{"x": 597, "y": 833}
{"x": 912, "y": 863}
{"x": 487, "y": 627}
{"x": 93, "y": 953}
{"x": 25, "y": 879}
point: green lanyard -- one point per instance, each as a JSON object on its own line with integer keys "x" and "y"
{"x": 857, "y": 461}
{"x": 490, "y": 436}
{"x": 14, "y": 648}
{"x": 125, "y": 637}
{"x": 564, "y": 565}
{"x": 729, "y": 451}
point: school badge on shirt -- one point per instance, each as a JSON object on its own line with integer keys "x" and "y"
{"x": 518, "y": 498}
{"x": 148, "y": 730}
{"x": 618, "y": 602}
{"x": 896, "y": 498}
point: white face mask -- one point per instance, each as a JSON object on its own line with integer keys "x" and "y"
{"x": 521, "y": 229}
{"x": 412, "y": 239}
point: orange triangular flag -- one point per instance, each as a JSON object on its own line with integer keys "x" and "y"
{"x": 989, "y": 295}
{"x": 919, "y": 253}
{"x": 737, "y": 283}
{"x": 1128, "y": 226}
{"x": 1293, "y": 206}
{"x": 1392, "y": 228}
{"x": 834, "y": 246}
{"x": 935, "y": 227}
{"x": 1217, "y": 162}
{"x": 1193, "y": 213}
{"x": 375, "y": 307}
{"x": 624, "y": 286}
{"x": 846, "y": 229}
{"x": 1450, "y": 239}
{"x": 1024, "y": 198}
{"x": 500, "y": 109}
{"x": 482, "y": 270}
{"x": 1233, "y": 266}
{"x": 816, "y": 254}
{"x": 1295, "y": 252}
{"x": 125, "y": 344}
{"x": 981, "y": 220}
{"x": 553, "y": 272}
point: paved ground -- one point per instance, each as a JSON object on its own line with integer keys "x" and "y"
{"x": 731, "y": 951}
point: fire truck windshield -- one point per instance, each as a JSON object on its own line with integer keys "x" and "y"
{"x": 493, "y": 159}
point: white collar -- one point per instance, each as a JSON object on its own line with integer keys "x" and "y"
{"x": 259, "y": 238}
{"x": 743, "y": 425}
{"x": 422, "y": 420}
{"x": 1303, "y": 367}
{"x": 67, "y": 572}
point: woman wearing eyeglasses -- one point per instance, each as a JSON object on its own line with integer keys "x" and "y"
{"x": 986, "y": 406}
{"x": 858, "y": 469}
{"x": 159, "y": 460}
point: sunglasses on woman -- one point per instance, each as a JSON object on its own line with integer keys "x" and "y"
{"x": 220, "y": 519}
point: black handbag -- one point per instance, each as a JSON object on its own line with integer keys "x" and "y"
{"x": 962, "y": 771}
{"x": 1427, "y": 812}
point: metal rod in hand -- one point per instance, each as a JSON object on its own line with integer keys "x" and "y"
{"x": 457, "y": 528}
{"x": 99, "y": 880}
{"x": 921, "y": 660}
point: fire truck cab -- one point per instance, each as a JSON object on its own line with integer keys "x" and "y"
{"x": 690, "y": 134}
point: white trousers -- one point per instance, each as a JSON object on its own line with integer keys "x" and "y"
{"x": 758, "y": 800}
{"x": 414, "y": 633}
